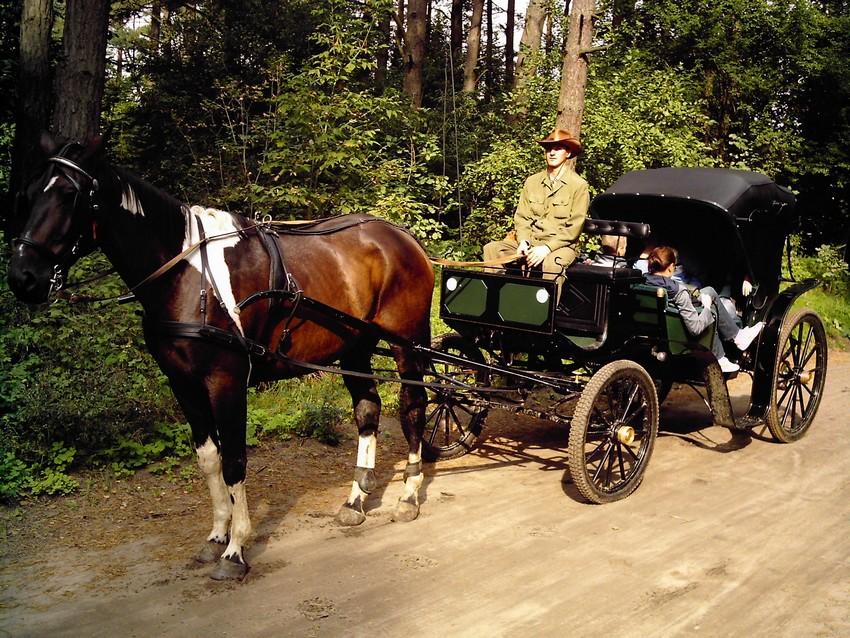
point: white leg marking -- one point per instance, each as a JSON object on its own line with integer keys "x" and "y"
{"x": 367, "y": 446}
{"x": 209, "y": 461}
{"x": 415, "y": 457}
{"x": 413, "y": 483}
{"x": 215, "y": 222}
{"x": 355, "y": 492}
{"x": 240, "y": 526}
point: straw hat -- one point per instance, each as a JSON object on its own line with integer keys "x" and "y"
{"x": 562, "y": 138}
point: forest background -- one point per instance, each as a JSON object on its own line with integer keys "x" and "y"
{"x": 425, "y": 113}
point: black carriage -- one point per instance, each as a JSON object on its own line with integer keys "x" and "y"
{"x": 602, "y": 356}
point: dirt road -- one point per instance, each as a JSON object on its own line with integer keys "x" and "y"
{"x": 729, "y": 535}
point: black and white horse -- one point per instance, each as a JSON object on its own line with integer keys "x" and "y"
{"x": 192, "y": 270}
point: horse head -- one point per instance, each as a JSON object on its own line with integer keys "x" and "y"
{"x": 60, "y": 207}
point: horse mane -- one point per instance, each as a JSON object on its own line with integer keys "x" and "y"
{"x": 159, "y": 207}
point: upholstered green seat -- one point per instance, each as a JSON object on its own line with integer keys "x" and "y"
{"x": 653, "y": 314}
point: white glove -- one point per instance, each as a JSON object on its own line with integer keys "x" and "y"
{"x": 537, "y": 254}
{"x": 747, "y": 288}
{"x": 705, "y": 300}
{"x": 523, "y": 247}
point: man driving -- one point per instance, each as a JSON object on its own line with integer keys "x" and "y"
{"x": 551, "y": 211}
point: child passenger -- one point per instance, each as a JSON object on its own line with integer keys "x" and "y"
{"x": 611, "y": 252}
{"x": 661, "y": 265}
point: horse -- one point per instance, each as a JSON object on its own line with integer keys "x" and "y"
{"x": 188, "y": 267}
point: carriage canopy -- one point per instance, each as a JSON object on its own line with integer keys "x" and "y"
{"x": 725, "y": 223}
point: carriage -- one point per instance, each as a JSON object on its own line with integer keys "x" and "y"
{"x": 229, "y": 301}
{"x": 604, "y": 356}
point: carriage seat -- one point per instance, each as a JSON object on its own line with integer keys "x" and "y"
{"x": 635, "y": 230}
{"x": 602, "y": 274}
{"x": 652, "y": 314}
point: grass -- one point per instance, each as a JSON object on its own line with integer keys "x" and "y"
{"x": 834, "y": 309}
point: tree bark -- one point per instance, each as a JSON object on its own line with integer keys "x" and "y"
{"x": 398, "y": 57}
{"x": 33, "y": 108}
{"x": 489, "y": 75}
{"x": 414, "y": 50}
{"x": 156, "y": 26}
{"x": 529, "y": 44}
{"x": 509, "y": 45}
{"x": 80, "y": 74}
{"x": 382, "y": 57}
{"x": 622, "y": 12}
{"x": 457, "y": 33}
{"x": 473, "y": 47}
{"x": 574, "y": 70}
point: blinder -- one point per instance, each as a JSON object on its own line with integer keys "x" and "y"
{"x": 72, "y": 172}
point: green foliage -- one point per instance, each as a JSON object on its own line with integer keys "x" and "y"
{"x": 15, "y": 477}
{"x": 310, "y": 407}
{"x": 638, "y": 116}
{"x": 53, "y": 479}
{"x": 75, "y": 377}
{"x": 832, "y": 298}
{"x": 166, "y": 443}
{"x": 827, "y": 264}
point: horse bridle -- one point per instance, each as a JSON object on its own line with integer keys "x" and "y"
{"x": 63, "y": 259}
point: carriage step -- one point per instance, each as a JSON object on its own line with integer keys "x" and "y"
{"x": 746, "y": 422}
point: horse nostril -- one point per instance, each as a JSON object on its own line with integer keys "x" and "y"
{"x": 24, "y": 285}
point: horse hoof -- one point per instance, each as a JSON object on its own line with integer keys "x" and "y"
{"x": 227, "y": 569}
{"x": 406, "y": 512}
{"x": 349, "y": 516}
{"x": 210, "y": 552}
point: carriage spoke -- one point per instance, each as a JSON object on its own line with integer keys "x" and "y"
{"x": 602, "y": 463}
{"x": 620, "y": 460}
{"x": 800, "y": 399}
{"x": 787, "y": 410}
{"x": 786, "y": 389}
{"x": 631, "y": 399}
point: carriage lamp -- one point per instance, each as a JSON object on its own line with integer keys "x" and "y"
{"x": 451, "y": 284}
{"x": 542, "y": 295}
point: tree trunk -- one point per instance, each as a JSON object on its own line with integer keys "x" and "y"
{"x": 382, "y": 57}
{"x": 489, "y": 75}
{"x": 529, "y": 44}
{"x": 473, "y": 47}
{"x": 414, "y": 50}
{"x": 574, "y": 70}
{"x": 33, "y": 108}
{"x": 622, "y": 12}
{"x": 457, "y": 33}
{"x": 80, "y": 74}
{"x": 156, "y": 26}
{"x": 398, "y": 57}
{"x": 509, "y": 45}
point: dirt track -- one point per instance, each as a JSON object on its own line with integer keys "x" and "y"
{"x": 729, "y": 535}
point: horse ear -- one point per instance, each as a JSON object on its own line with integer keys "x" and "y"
{"x": 48, "y": 144}
{"x": 94, "y": 145}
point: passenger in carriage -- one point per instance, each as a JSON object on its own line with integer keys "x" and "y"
{"x": 551, "y": 211}
{"x": 662, "y": 264}
{"x": 611, "y": 253}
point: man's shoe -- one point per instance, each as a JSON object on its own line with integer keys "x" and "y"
{"x": 746, "y": 336}
{"x": 727, "y": 366}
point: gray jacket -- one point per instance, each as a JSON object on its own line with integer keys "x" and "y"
{"x": 696, "y": 321}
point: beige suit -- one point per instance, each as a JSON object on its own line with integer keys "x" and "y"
{"x": 550, "y": 212}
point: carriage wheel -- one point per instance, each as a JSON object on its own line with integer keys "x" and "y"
{"x": 613, "y": 432}
{"x": 453, "y": 422}
{"x": 801, "y": 361}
